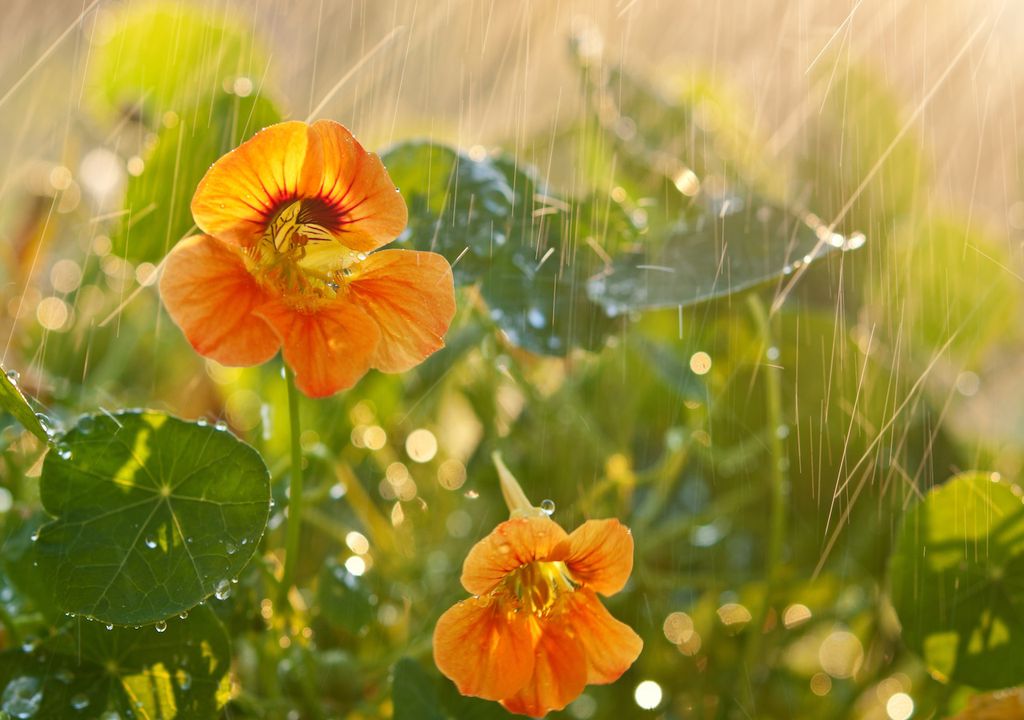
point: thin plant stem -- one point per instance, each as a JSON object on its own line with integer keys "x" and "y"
{"x": 294, "y": 527}
{"x": 778, "y": 484}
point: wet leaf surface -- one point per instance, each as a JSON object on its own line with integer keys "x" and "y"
{"x": 153, "y": 515}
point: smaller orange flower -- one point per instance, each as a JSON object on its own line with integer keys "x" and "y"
{"x": 292, "y": 219}
{"x": 534, "y": 634}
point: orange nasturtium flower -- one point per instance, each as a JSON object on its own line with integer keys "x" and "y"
{"x": 534, "y": 634}
{"x": 292, "y": 218}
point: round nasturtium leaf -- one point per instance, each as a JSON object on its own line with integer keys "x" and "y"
{"x": 87, "y": 671}
{"x": 957, "y": 573}
{"x": 153, "y": 515}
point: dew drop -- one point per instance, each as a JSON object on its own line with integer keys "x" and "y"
{"x": 230, "y": 549}
{"x": 222, "y": 591}
{"x": 86, "y": 424}
{"x": 151, "y": 543}
{"x": 160, "y": 626}
{"x": 35, "y": 535}
{"x": 220, "y": 425}
{"x": 22, "y": 697}
{"x": 202, "y": 422}
{"x": 535, "y": 318}
{"x": 63, "y": 451}
{"x": 183, "y": 614}
{"x": 13, "y": 376}
{"x": 184, "y": 681}
{"x": 80, "y": 701}
{"x": 547, "y": 507}
{"x": 110, "y": 626}
{"x": 46, "y": 422}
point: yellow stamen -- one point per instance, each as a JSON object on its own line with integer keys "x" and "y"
{"x": 538, "y": 585}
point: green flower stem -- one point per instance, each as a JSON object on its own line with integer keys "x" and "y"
{"x": 294, "y": 528}
{"x": 778, "y": 484}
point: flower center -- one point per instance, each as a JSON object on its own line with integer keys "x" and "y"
{"x": 538, "y": 585}
{"x": 300, "y": 255}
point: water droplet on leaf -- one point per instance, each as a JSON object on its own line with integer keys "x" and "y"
{"x": 222, "y": 591}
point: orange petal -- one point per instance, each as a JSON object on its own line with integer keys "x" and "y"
{"x": 355, "y": 183}
{"x": 329, "y": 348}
{"x": 486, "y": 651}
{"x": 512, "y": 544}
{"x": 411, "y": 295}
{"x": 611, "y": 646}
{"x": 241, "y": 191}
{"x": 211, "y": 296}
{"x": 599, "y": 554}
{"x": 559, "y": 673}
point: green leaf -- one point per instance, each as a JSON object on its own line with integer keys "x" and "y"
{"x": 150, "y": 58}
{"x": 956, "y": 575}
{"x": 414, "y": 693}
{"x": 458, "y": 207}
{"x": 153, "y": 515}
{"x": 12, "y": 401}
{"x": 530, "y": 250}
{"x": 158, "y": 200}
{"x": 343, "y": 598}
{"x": 737, "y": 246}
{"x": 87, "y": 670}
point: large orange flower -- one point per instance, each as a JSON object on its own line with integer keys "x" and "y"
{"x": 291, "y": 219}
{"x": 534, "y": 634}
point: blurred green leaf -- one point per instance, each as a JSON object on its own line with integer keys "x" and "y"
{"x": 343, "y": 599}
{"x": 87, "y": 670}
{"x": 741, "y": 244}
{"x": 956, "y": 576}
{"x": 17, "y": 563}
{"x": 12, "y": 401}
{"x": 414, "y": 692}
{"x": 151, "y": 58}
{"x": 417, "y": 696}
{"x": 153, "y": 515}
{"x": 158, "y": 200}
{"x": 858, "y": 137}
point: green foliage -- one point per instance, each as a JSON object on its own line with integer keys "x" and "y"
{"x": 158, "y": 199}
{"x": 743, "y": 244}
{"x": 12, "y": 401}
{"x": 417, "y": 696}
{"x": 956, "y": 580}
{"x": 156, "y": 57}
{"x": 529, "y": 249}
{"x": 87, "y": 670}
{"x": 956, "y": 289}
{"x": 153, "y": 515}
